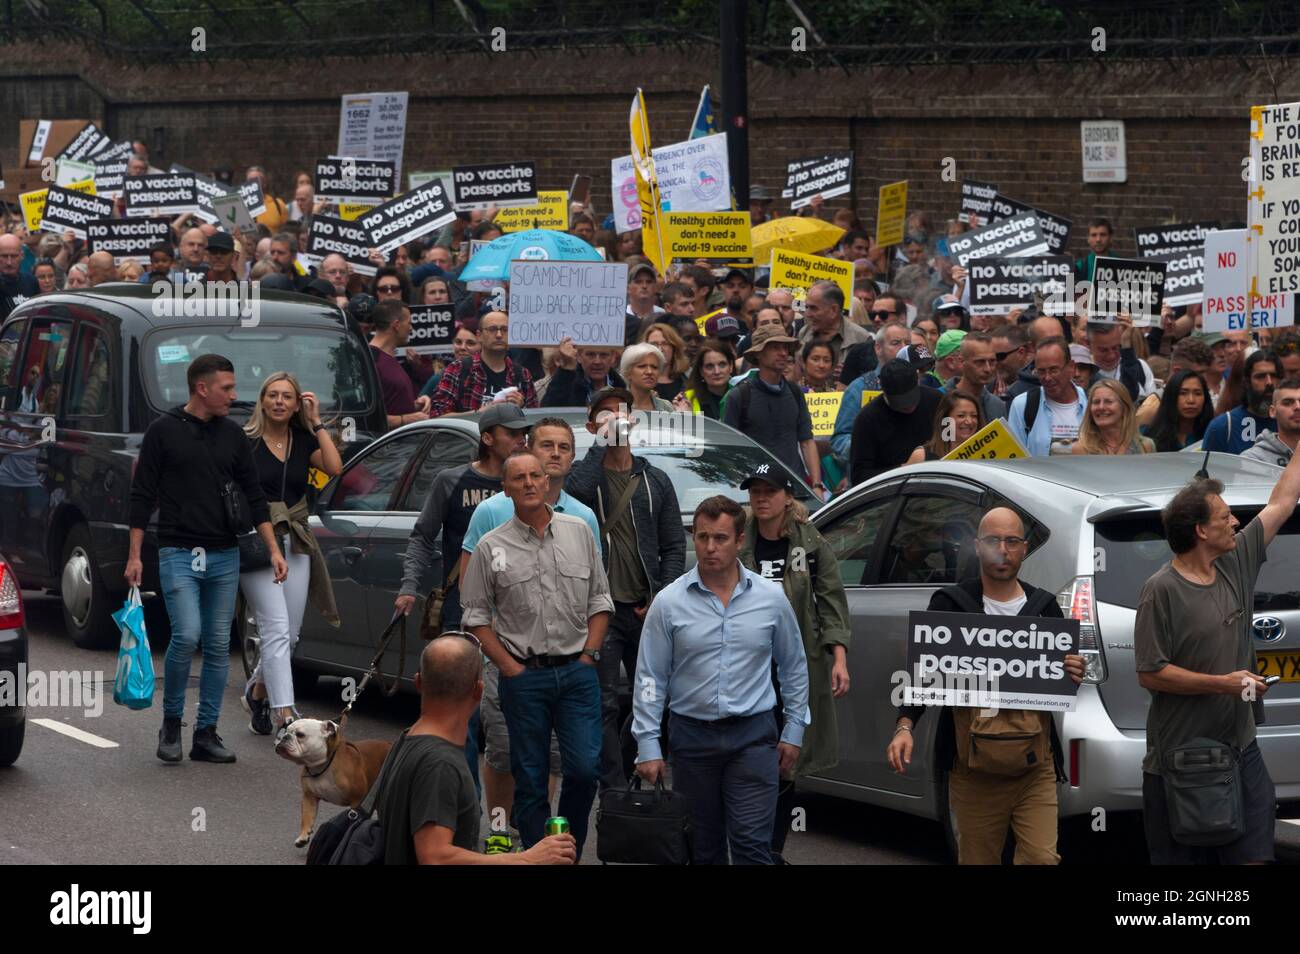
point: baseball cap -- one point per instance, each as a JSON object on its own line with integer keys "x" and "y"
{"x": 918, "y": 356}
{"x": 604, "y": 394}
{"x": 221, "y": 242}
{"x": 276, "y": 282}
{"x": 1210, "y": 338}
{"x": 503, "y": 414}
{"x": 640, "y": 267}
{"x": 898, "y": 381}
{"x": 758, "y": 193}
{"x": 764, "y": 336}
{"x": 1080, "y": 354}
{"x": 769, "y": 474}
{"x": 723, "y": 326}
{"x": 949, "y": 342}
{"x": 361, "y": 307}
{"x": 744, "y": 275}
{"x": 319, "y": 288}
{"x": 948, "y": 304}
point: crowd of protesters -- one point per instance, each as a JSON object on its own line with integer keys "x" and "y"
{"x": 595, "y": 579}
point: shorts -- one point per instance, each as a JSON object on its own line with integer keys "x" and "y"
{"x": 1259, "y": 805}
{"x": 496, "y": 750}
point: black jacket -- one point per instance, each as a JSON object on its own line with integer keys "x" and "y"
{"x": 183, "y": 463}
{"x": 572, "y": 388}
{"x": 945, "y": 741}
{"x": 884, "y": 438}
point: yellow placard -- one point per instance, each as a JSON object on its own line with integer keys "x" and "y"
{"x": 351, "y": 211}
{"x": 33, "y": 203}
{"x": 796, "y": 272}
{"x": 891, "y": 214}
{"x": 717, "y": 235}
{"x": 822, "y": 408}
{"x": 869, "y": 396}
{"x": 550, "y": 212}
{"x": 993, "y": 442}
{"x": 317, "y": 478}
{"x": 33, "y": 208}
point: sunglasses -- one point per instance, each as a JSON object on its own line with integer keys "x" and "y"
{"x": 884, "y": 315}
{"x": 460, "y": 633}
{"x": 389, "y": 289}
{"x": 1003, "y": 355}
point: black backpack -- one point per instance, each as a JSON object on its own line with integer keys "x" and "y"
{"x": 746, "y": 386}
{"x": 353, "y": 837}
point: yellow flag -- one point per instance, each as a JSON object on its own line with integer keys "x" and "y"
{"x": 647, "y": 184}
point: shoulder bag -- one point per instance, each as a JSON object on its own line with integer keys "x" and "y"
{"x": 355, "y": 837}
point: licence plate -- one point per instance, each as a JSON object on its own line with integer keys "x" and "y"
{"x": 1276, "y": 663}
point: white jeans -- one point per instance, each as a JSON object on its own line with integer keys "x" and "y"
{"x": 278, "y": 609}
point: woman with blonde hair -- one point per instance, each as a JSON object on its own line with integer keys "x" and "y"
{"x": 288, "y": 440}
{"x": 672, "y": 378}
{"x": 782, "y": 546}
{"x": 1110, "y": 423}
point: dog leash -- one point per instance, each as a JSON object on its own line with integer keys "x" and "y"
{"x": 399, "y": 619}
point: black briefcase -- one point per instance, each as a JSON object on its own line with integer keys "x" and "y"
{"x": 639, "y": 827}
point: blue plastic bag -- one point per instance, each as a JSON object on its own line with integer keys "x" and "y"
{"x": 134, "y": 684}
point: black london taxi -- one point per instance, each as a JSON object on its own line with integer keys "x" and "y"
{"x": 83, "y": 373}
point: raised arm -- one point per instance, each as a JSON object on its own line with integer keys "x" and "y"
{"x": 1282, "y": 501}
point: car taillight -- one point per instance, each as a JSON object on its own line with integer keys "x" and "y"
{"x": 1076, "y": 603}
{"x": 11, "y": 599}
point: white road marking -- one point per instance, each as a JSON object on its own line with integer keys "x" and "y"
{"x": 74, "y": 733}
{"x": 1290, "y": 821}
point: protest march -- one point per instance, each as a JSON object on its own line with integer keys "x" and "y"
{"x": 736, "y": 487}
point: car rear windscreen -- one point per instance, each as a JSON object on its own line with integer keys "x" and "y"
{"x": 1130, "y": 549}
{"x": 329, "y": 363}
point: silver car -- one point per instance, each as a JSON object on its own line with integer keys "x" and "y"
{"x": 363, "y": 518}
{"x": 1095, "y": 537}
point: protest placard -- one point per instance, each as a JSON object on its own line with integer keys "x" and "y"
{"x": 585, "y": 301}
{"x": 1227, "y": 283}
{"x": 500, "y": 184}
{"x": 40, "y": 137}
{"x": 127, "y": 240}
{"x": 891, "y": 213}
{"x": 828, "y": 176}
{"x": 168, "y": 193}
{"x": 408, "y": 217}
{"x": 977, "y": 198}
{"x": 69, "y": 211}
{"x": 232, "y": 214}
{"x": 85, "y": 144}
{"x": 551, "y": 211}
{"x": 1156, "y": 240}
{"x": 1104, "y": 156}
{"x": 1132, "y": 285}
{"x": 348, "y": 179}
{"x": 68, "y": 171}
{"x": 999, "y": 284}
{"x": 110, "y": 170}
{"x": 694, "y": 176}
{"x": 351, "y": 211}
{"x": 254, "y": 199}
{"x": 791, "y": 168}
{"x": 373, "y": 126}
{"x": 1184, "y": 276}
{"x": 994, "y": 441}
{"x": 1011, "y": 238}
{"x": 869, "y": 396}
{"x": 822, "y": 408}
{"x": 627, "y": 208}
{"x": 721, "y": 236}
{"x": 990, "y": 662}
{"x": 797, "y": 272}
{"x": 329, "y": 235}
{"x": 1273, "y": 233}
{"x": 206, "y": 191}
{"x": 1056, "y": 228}
{"x": 432, "y": 328}
{"x": 33, "y": 204}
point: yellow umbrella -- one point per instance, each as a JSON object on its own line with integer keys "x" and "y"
{"x": 797, "y": 233}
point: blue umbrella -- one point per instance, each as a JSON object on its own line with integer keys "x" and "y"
{"x": 492, "y": 263}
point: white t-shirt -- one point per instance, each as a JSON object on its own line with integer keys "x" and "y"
{"x": 1064, "y": 421}
{"x": 1004, "y": 607}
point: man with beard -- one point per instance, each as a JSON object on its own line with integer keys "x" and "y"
{"x": 736, "y": 287}
{"x": 1279, "y": 448}
{"x": 1240, "y": 427}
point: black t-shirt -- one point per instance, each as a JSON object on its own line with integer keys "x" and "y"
{"x": 673, "y": 388}
{"x": 770, "y": 557}
{"x": 270, "y": 470}
{"x": 493, "y": 382}
{"x": 461, "y": 489}
{"x": 428, "y": 783}
{"x": 14, "y": 291}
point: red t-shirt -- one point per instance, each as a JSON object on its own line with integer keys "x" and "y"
{"x": 394, "y": 382}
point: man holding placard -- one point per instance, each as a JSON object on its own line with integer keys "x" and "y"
{"x": 998, "y": 761}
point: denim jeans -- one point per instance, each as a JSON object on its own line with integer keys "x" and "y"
{"x": 200, "y": 606}
{"x": 565, "y": 699}
{"x": 728, "y": 770}
{"x": 621, "y": 644}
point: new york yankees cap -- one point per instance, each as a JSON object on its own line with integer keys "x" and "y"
{"x": 768, "y": 474}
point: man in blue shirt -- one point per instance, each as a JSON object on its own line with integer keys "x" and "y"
{"x": 1239, "y": 428}
{"x": 707, "y": 646}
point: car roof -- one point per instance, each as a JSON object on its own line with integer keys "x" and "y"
{"x": 277, "y": 307}
{"x": 709, "y": 430}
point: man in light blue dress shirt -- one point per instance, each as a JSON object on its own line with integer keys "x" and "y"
{"x": 707, "y": 648}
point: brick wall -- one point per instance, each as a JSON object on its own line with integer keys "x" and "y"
{"x": 1018, "y": 127}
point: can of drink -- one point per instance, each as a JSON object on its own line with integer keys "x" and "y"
{"x": 559, "y": 825}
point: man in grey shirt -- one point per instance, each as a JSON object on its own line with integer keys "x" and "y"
{"x": 1194, "y": 654}
{"x": 535, "y": 593}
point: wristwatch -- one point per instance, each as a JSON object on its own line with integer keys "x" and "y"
{"x": 593, "y": 653}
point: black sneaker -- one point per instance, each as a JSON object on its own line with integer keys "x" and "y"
{"x": 259, "y": 711}
{"x": 207, "y": 746}
{"x": 169, "y": 740}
